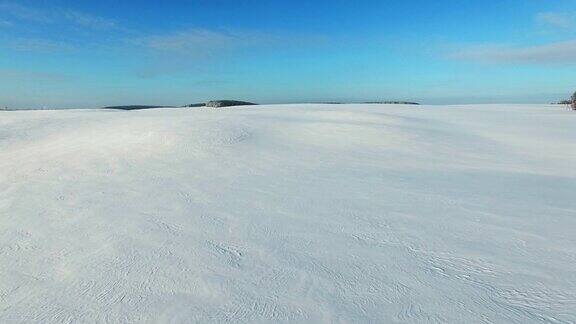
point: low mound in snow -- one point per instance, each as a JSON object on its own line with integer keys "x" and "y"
{"x": 298, "y": 213}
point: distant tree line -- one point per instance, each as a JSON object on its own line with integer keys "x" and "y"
{"x": 371, "y": 103}
{"x": 570, "y": 102}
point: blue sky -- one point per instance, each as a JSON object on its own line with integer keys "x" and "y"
{"x": 92, "y": 53}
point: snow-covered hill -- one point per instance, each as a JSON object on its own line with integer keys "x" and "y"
{"x": 297, "y": 213}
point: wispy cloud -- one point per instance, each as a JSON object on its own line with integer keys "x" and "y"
{"x": 55, "y": 16}
{"x": 557, "y": 20}
{"x": 68, "y": 28}
{"x": 200, "y": 41}
{"x": 89, "y": 21}
{"x": 553, "y": 53}
{"x": 24, "y": 13}
{"x": 11, "y": 74}
{"x": 5, "y": 23}
{"x": 37, "y": 45}
{"x": 187, "y": 50}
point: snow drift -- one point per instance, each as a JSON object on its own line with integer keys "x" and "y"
{"x": 297, "y": 213}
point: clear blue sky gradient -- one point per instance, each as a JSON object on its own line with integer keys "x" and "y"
{"x": 92, "y": 53}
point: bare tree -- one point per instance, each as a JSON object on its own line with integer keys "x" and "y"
{"x": 574, "y": 101}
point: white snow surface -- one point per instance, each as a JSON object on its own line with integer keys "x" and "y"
{"x": 289, "y": 213}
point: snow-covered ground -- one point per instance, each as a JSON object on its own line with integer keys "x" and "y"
{"x": 295, "y": 213}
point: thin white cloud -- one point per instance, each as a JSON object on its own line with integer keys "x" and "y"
{"x": 553, "y": 53}
{"x": 25, "y": 13}
{"x": 187, "y": 50}
{"x": 54, "y": 16}
{"x": 89, "y": 21}
{"x": 557, "y": 19}
{"x": 37, "y": 45}
{"x": 12, "y": 74}
{"x": 201, "y": 41}
{"x": 5, "y": 23}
